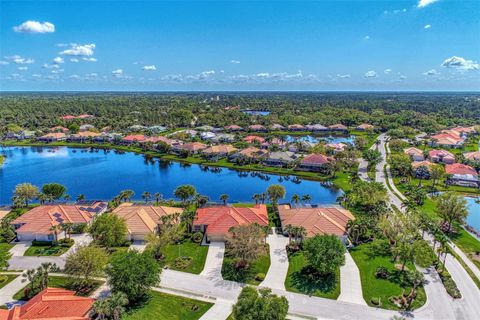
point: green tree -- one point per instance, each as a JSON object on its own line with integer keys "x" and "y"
{"x": 84, "y": 263}
{"x": 146, "y": 196}
{"x": 108, "y": 230}
{"x": 126, "y": 195}
{"x": 54, "y": 191}
{"x": 295, "y": 198}
{"x": 185, "y": 192}
{"x": 81, "y": 197}
{"x": 133, "y": 273}
{"x": 325, "y": 253}
{"x": 246, "y": 243}
{"x": 452, "y": 209}
{"x": 400, "y": 165}
{"x": 224, "y": 198}
{"x": 437, "y": 172}
{"x": 25, "y": 192}
{"x": 275, "y": 192}
{"x": 260, "y": 305}
{"x": 157, "y": 196}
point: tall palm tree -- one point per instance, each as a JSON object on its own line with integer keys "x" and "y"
{"x": 146, "y": 196}
{"x": 101, "y": 308}
{"x": 67, "y": 227}
{"x": 157, "y": 196}
{"x": 306, "y": 198}
{"x": 224, "y": 198}
{"x": 295, "y": 198}
{"x": 256, "y": 197}
{"x": 42, "y": 197}
{"x": 117, "y": 303}
{"x": 263, "y": 197}
{"x": 55, "y": 228}
{"x": 81, "y": 197}
{"x": 289, "y": 230}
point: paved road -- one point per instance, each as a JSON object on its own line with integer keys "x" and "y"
{"x": 275, "y": 277}
{"x": 25, "y": 263}
{"x": 213, "y": 265}
{"x": 465, "y": 259}
{"x": 350, "y": 283}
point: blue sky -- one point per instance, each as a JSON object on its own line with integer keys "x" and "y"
{"x": 240, "y": 45}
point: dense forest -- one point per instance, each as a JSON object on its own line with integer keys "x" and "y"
{"x": 427, "y": 112}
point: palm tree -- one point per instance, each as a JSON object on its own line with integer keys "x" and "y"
{"x": 224, "y": 198}
{"x": 188, "y": 216}
{"x": 263, "y": 197}
{"x": 126, "y": 194}
{"x": 81, "y": 197}
{"x": 289, "y": 230}
{"x": 101, "y": 308}
{"x": 306, "y": 198}
{"x": 157, "y": 196}
{"x": 55, "y": 228}
{"x": 146, "y": 196}
{"x": 67, "y": 228}
{"x": 300, "y": 233}
{"x": 29, "y": 275}
{"x": 42, "y": 197}
{"x": 295, "y": 198}
{"x": 256, "y": 197}
{"x": 117, "y": 303}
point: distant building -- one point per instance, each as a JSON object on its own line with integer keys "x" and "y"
{"x": 462, "y": 175}
{"x": 277, "y": 127}
{"x": 233, "y": 128}
{"x": 472, "y": 156}
{"x": 219, "y": 151}
{"x": 414, "y": 153}
{"x": 314, "y": 162}
{"x": 280, "y": 159}
{"x": 365, "y": 127}
{"x": 190, "y": 147}
{"x": 450, "y": 139}
{"x": 53, "y": 137}
{"x": 252, "y": 139}
{"x": 257, "y": 128}
{"x": 296, "y": 127}
{"x": 338, "y": 127}
{"x": 442, "y": 156}
{"x": 316, "y": 127}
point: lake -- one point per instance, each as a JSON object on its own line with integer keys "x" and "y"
{"x": 473, "y": 218}
{"x": 102, "y": 174}
{"x": 316, "y": 139}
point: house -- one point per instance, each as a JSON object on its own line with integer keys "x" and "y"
{"x": 223, "y": 137}
{"x": 142, "y": 220}
{"x": 51, "y": 304}
{"x": 252, "y": 139}
{"x": 219, "y": 151}
{"x": 316, "y": 127}
{"x": 250, "y": 153}
{"x": 338, "y": 127}
{"x": 58, "y": 129}
{"x": 336, "y": 147}
{"x": 450, "y": 139}
{"x": 36, "y": 224}
{"x": 233, "y": 128}
{"x": 420, "y": 164}
{"x": 296, "y": 127}
{"x": 86, "y": 116}
{"x": 414, "y": 153}
{"x": 315, "y": 162}
{"x": 465, "y": 130}
{"x": 442, "y": 156}
{"x": 316, "y": 220}
{"x": 216, "y": 221}
{"x": 133, "y": 139}
{"x": 53, "y": 136}
{"x": 190, "y": 132}
{"x": 257, "y": 128}
{"x": 156, "y": 129}
{"x": 68, "y": 117}
{"x": 365, "y": 127}
{"x": 137, "y": 128}
{"x": 472, "y": 156}
{"x": 83, "y": 136}
{"x": 277, "y": 127}
{"x": 462, "y": 175}
{"x": 189, "y": 147}
{"x": 86, "y": 127}
{"x": 280, "y": 159}
{"x": 301, "y": 146}
{"x": 207, "y": 135}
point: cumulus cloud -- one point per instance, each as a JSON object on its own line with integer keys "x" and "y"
{"x": 149, "y": 68}
{"x": 460, "y": 63}
{"x": 343, "y": 76}
{"x": 424, "y": 3}
{"x": 91, "y": 59}
{"x": 22, "y": 68}
{"x": 431, "y": 72}
{"x": 35, "y": 27}
{"x": 370, "y": 74}
{"x": 74, "y": 60}
{"x": 427, "y": 26}
{"x": 20, "y": 60}
{"x": 50, "y": 66}
{"x": 79, "y": 50}
{"x": 234, "y": 61}
{"x": 58, "y": 60}
{"x": 387, "y": 71}
{"x": 117, "y": 72}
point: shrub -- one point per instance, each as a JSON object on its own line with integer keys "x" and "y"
{"x": 66, "y": 242}
{"x": 376, "y": 301}
{"x": 182, "y": 262}
{"x": 450, "y": 285}
{"x": 3, "y": 278}
{"x": 382, "y": 273}
{"x": 79, "y": 228}
{"x": 197, "y": 237}
{"x": 41, "y": 243}
{"x": 260, "y": 276}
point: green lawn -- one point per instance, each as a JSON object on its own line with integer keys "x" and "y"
{"x": 299, "y": 280}
{"x": 6, "y": 279}
{"x": 380, "y": 288}
{"x": 60, "y": 282}
{"x": 467, "y": 243}
{"x": 163, "y": 306}
{"x": 4, "y": 254}
{"x": 260, "y": 265}
{"x": 197, "y": 252}
{"x": 47, "y": 250}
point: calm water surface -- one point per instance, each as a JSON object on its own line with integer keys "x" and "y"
{"x": 100, "y": 174}
{"x": 473, "y": 218}
{"x": 316, "y": 139}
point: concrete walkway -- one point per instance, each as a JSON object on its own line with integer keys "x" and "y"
{"x": 275, "y": 277}
{"x": 465, "y": 259}
{"x": 138, "y": 245}
{"x": 7, "y": 292}
{"x": 80, "y": 239}
{"x": 350, "y": 283}
{"x": 213, "y": 264}
{"x": 219, "y": 311}
{"x": 19, "y": 248}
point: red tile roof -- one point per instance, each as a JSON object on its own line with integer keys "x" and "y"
{"x": 316, "y": 158}
{"x": 220, "y": 219}
{"x": 52, "y": 303}
{"x": 256, "y": 127}
{"x": 338, "y": 127}
{"x": 459, "y": 168}
{"x": 472, "y": 156}
{"x": 192, "y": 146}
{"x": 251, "y": 139}
{"x": 233, "y": 127}
{"x": 134, "y": 138}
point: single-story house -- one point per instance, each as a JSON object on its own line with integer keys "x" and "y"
{"x": 442, "y": 156}
{"x": 250, "y": 153}
{"x": 51, "y": 304}
{"x": 338, "y": 127}
{"x": 336, "y": 147}
{"x": 216, "y": 221}
{"x": 465, "y": 130}
{"x": 133, "y": 139}
{"x": 189, "y": 147}
{"x": 316, "y": 127}
{"x": 365, "y": 127}
{"x": 233, "y": 128}
{"x": 83, "y": 136}
{"x": 257, "y": 128}
{"x": 141, "y": 220}
{"x": 418, "y": 164}
{"x": 296, "y": 127}
{"x": 472, "y": 156}
{"x": 462, "y": 175}
{"x": 280, "y": 158}
{"x": 316, "y": 220}
{"x": 314, "y": 162}
{"x": 219, "y": 151}
{"x": 86, "y": 127}
{"x": 224, "y": 137}
{"x": 58, "y": 129}
{"x": 86, "y": 116}
{"x": 207, "y": 135}
{"x": 414, "y": 153}
{"x": 53, "y": 136}
{"x": 277, "y": 127}
{"x": 36, "y": 223}
{"x": 252, "y": 139}
{"x": 300, "y": 146}
{"x": 447, "y": 139}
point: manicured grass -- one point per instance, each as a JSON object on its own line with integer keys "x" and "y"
{"x": 467, "y": 243}
{"x": 4, "y": 254}
{"x": 299, "y": 280}
{"x": 6, "y": 279}
{"x": 342, "y": 180}
{"x": 260, "y": 265}
{"x": 163, "y": 306}
{"x": 60, "y": 282}
{"x": 187, "y": 248}
{"x": 54, "y": 250}
{"x": 373, "y": 287}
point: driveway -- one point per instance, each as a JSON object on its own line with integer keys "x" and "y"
{"x": 19, "y": 248}
{"x": 80, "y": 239}
{"x": 213, "y": 265}
{"x": 219, "y": 311}
{"x": 138, "y": 245}
{"x": 350, "y": 284}
{"x": 25, "y": 263}
{"x": 7, "y": 292}
{"x": 275, "y": 277}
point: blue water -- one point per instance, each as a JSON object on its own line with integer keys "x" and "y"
{"x": 100, "y": 174}
{"x": 314, "y": 139}
{"x": 256, "y": 112}
{"x": 473, "y": 218}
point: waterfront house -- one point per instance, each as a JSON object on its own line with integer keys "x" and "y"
{"x": 51, "y": 304}
{"x": 462, "y": 175}
{"x": 233, "y": 128}
{"x": 316, "y": 127}
{"x": 301, "y": 146}
{"x": 338, "y": 127}
{"x": 414, "y": 153}
{"x": 53, "y": 137}
{"x": 472, "y": 156}
{"x": 277, "y": 127}
{"x": 316, "y": 220}
{"x": 315, "y": 162}
{"x": 250, "y": 154}
{"x": 280, "y": 159}
{"x": 442, "y": 156}
{"x": 215, "y": 222}
{"x": 257, "y": 128}
{"x": 296, "y": 127}
{"x": 133, "y": 139}
{"x": 336, "y": 147}
{"x": 142, "y": 220}
{"x": 36, "y": 224}
{"x": 253, "y": 139}
{"x": 365, "y": 127}
{"x": 189, "y": 148}
{"x": 218, "y": 151}
{"x": 83, "y": 136}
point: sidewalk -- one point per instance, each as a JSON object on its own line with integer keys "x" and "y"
{"x": 350, "y": 283}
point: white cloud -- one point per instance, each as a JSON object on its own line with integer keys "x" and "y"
{"x": 402, "y": 77}
{"x": 367, "y": 37}
{"x": 3, "y": 63}
{"x": 460, "y": 63}
{"x": 22, "y": 68}
{"x": 74, "y": 60}
{"x": 149, "y": 68}
{"x": 427, "y": 26}
{"x": 56, "y": 71}
{"x": 79, "y": 50}
{"x": 58, "y": 60}
{"x": 20, "y": 60}
{"x": 431, "y": 72}
{"x": 343, "y": 76}
{"x": 424, "y": 3}
{"x": 74, "y": 76}
{"x": 234, "y": 61}
{"x": 50, "y": 66}
{"x": 35, "y": 75}
{"x": 35, "y": 27}
{"x": 397, "y": 11}
{"x": 387, "y": 71}
{"x": 91, "y": 59}
{"x": 370, "y": 74}
{"x": 117, "y": 72}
